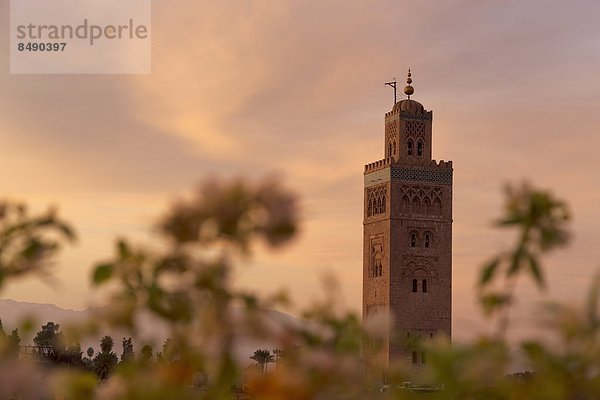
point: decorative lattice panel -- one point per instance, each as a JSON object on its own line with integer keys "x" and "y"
{"x": 430, "y": 175}
{"x": 415, "y": 129}
{"x": 416, "y": 117}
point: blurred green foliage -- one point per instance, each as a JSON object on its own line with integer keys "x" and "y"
{"x": 187, "y": 285}
{"x": 541, "y": 224}
{"x": 29, "y": 243}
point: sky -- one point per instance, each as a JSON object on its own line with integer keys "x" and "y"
{"x": 296, "y": 88}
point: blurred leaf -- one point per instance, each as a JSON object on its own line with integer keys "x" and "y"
{"x": 66, "y": 230}
{"x": 102, "y": 273}
{"x": 536, "y": 270}
{"x": 493, "y": 301}
{"x": 488, "y": 271}
{"x": 123, "y": 249}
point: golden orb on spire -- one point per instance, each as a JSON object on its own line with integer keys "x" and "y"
{"x": 409, "y": 90}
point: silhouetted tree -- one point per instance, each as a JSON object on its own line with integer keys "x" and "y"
{"x": 51, "y": 346}
{"x": 48, "y": 341}
{"x": 147, "y": 353}
{"x": 168, "y": 351}
{"x": 106, "y": 360}
{"x": 13, "y": 342}
{"x": 106, "y": 344}
{"x": 278, "y": 354}
{"x": 72, "y": 355}
{"x": 128, "y": 353}
{"x": 88, "y": 362}
{"x": 263, "y": 358}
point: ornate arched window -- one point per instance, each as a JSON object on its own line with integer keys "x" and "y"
{"x": 405, "y": 204}
{"x": 414, "y": 357}
{"x": 376, "y": 200}
{"x": 394, "y": 148}
{"x": 409, "y": 147}
{"x": 389, "y": 149}
{"x": 415, "y": 205}
{"x": 413, "y": 240}
{"x": 377, "y": 262}
{"x": 415, "y": 286}
{"x": 424, "y": 287}
{"x": 427, "y": 240}
{"x": 420, "y": 148}
{"x": 437, "y": 207}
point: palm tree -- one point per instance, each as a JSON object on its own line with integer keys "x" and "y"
{"x": 263, "y": 358}
{"x": 106, "y": 344}
{"x": 278, "y": 354}
{"x": 106, "y": 360}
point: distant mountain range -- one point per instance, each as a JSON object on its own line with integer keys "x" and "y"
{"x": 13, "y": 313}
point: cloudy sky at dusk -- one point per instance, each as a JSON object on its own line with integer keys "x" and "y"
{"x": 250, "y": 88}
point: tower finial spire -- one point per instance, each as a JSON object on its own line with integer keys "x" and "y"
{"x": 409, "y": 90}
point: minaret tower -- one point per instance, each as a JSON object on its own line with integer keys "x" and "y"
{"x": 407, "y": 242}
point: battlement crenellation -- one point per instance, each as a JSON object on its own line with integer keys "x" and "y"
{"x": 386, "y": 162}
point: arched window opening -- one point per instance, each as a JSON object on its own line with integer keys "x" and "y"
{"x": 407, "y": 334}
{"x": 415, "y": 205}
{"x": 425, "y": 206}
{"x": 394, "y": 148}
{"x": 437, "y": 207}
{"x": 424, "y": 285}
{"x": 415, "y": 287}
{"x": 413, "y": 240}
{"x": 420, "y": 149}
{"x": 427, "y": 241}
{"x": 389, "y": 149}
{"x": 377, "y": 269}
{"x": 431, "y": 335}
{"x": 409, "y": 147}
{"x": 405, "y": 204}
{"x": 422, "y": 358}
{"x": 414, "y": 357}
